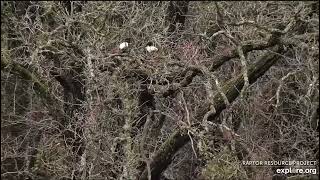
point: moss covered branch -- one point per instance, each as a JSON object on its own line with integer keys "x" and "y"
{"x": 17, "y": 69}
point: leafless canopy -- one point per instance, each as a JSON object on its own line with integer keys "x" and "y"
{"x": 230, "y": 82}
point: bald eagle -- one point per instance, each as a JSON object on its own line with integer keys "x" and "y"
{"x": 123, "y": 45}
{"x": 150, "y": 47}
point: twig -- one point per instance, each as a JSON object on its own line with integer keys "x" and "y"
{"x": 189, "y": 123}
{"x": 244, "y": 70}
{"x": 210, "y": 76}
{"x": 280, "y": 86}
{"x": 143, "y": 139}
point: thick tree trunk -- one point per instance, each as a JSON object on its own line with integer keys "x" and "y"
{"x": 162, "y": 159}
{"x": 176, "y": 15}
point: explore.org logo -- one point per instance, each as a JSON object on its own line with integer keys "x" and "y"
{"x": 287, "y": 167}
{"x": 296, "y": 171}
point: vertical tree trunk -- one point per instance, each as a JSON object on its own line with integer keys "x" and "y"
{"x": 176, "y": 17}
